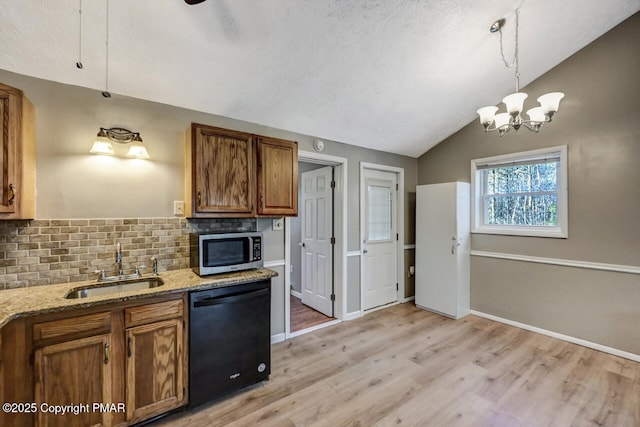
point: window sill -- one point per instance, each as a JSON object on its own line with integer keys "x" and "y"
{"x": 550, "y": 232}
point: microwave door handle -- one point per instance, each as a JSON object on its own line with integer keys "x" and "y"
{"x": 226, "y": 299}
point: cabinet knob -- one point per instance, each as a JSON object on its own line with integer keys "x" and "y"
{"x": 199, "y": 198}
{"x": 106, "y": 353}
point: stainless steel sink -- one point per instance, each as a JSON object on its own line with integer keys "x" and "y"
{"x": 115, "y": 287}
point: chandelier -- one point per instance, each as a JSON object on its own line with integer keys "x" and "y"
{"x": 512, "y": 119}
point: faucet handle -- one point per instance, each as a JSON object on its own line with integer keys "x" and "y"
{"x": 101, "y": 273}
{"x": 138, "y": 267}
{"x": 154, "y": 260}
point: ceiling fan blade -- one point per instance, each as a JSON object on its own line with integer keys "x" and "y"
{"x": 193, "y": 1}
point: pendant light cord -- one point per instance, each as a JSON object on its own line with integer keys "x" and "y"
{"x": 79, "y": 63}
{"x": 106, "y": 92}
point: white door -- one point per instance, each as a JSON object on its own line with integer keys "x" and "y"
{"x": 379, "y": 248}
{"x": 317, "y": 230}
{"x": 442, "y": 248}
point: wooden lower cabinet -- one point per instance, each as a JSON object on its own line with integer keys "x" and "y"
{"x": 155, "y": 369}
{"x": 114, "y": 366}
{"x": 73, "y": 373}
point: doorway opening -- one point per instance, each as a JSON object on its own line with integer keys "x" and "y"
{"x": 315, "y": 245}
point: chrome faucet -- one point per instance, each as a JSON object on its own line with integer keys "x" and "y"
{"x": 154, "y": 260}
{"x": 119, "y": 258}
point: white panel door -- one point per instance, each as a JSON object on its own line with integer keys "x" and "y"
{"x": 317, "y": 230}
{"x": 380, "y": 239}
{"x": 442, "y": 248}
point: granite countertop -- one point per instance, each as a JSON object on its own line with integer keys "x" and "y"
{"x": 51, "y": 298}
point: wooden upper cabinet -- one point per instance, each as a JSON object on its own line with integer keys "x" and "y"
{"x": 237, "y": 174}
{"x": 17, "y": 157}
{"x": 277, "y": 176}
{"x": 221, "y": 172}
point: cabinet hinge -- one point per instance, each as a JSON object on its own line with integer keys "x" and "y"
{"x": 333, "y": 184}
{"x": 333, "y": 240}
{"x": 397, "y": 236}
{"x": 397, "y": 187}
{"x": 397, "y": 287}
{"x": 32, "y": 358}
{"x": 333, "y": 297}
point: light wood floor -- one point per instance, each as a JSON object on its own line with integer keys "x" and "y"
{"x": 403, "y": 366}
{"x": 303, "y": 317}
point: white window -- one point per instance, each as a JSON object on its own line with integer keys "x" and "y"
{"x": 523, "y": 194}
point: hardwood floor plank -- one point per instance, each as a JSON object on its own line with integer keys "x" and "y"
{"x": 409, "y": 367}
{"x": 302, "y": 317}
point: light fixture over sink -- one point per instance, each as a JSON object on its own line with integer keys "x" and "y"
{"x": 512, "y": 119}
{"x": 102, "y": 144}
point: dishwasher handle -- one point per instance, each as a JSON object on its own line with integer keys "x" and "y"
{"x": 226, "y": 299}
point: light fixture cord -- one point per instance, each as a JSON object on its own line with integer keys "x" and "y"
{"x": 80, "y": 38}
{"x": 79, "y": 63}
{"x": 106, "y": 67}
{"x": 516, "y": 61}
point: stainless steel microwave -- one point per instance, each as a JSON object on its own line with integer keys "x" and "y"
{"x": 212, "y": 253}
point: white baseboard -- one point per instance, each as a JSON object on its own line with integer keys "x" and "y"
{"x": 353, "y": 315}
{"x": 405, "y": 300}
{"x": 314, "y": 328}
{"x": 277, "y": 338}
{"x": 296, "y": 293}
{"x": 574, "y": 340}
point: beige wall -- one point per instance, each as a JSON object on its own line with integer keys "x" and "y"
{"x": 598, "y": 120}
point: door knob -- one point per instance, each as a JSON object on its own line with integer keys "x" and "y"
{"x": 364, "y": 251}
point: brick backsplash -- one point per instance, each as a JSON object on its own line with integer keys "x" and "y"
{"x": 48, "y": 251}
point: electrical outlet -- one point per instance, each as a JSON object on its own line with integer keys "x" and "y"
{"x": 178, "y": 208}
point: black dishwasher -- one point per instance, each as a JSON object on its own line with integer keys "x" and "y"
{"x": 229, "y": 339}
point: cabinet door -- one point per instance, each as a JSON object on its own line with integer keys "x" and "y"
{"x": 17, "y": 155}
{"x": 277, "y": 177}
{"x": 9, "y": 107}
{"x": 223, "y": 178}
{"x": 155, "y": 369}
{"x": 74, "y": 373}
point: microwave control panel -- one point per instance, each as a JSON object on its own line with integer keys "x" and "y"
{"x": 257, "y": 248}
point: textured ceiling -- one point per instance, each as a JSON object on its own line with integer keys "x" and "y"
{"x": 393, "y": 75}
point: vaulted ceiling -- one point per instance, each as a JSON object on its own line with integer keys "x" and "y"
{"x": 392, "y": 75}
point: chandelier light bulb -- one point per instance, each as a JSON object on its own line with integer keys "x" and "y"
{"x": 514, "y": 102}
{"x": 550, "y": 102}
{"x": 487, "y": 114}
{"x": 502, "y": 121}
{"x": 536, "y": 115}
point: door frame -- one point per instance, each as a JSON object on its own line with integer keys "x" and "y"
{"x": 340, "y": 254}
{"x": 399, "y": 211}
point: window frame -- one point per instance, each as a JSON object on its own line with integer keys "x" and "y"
{"x": 561, "y": 230}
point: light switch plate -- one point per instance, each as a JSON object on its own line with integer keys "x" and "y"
{"x": 178, "y": 207}
{"x": 278, "y": 224}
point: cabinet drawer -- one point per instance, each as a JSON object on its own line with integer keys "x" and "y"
{"x": 91, "y": 323}
{"x": 140, "y": 315}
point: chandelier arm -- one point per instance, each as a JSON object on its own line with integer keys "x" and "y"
{"x": 532, "y": 126}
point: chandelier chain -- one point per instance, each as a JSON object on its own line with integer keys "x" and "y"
{"x": 515, "y": 60}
